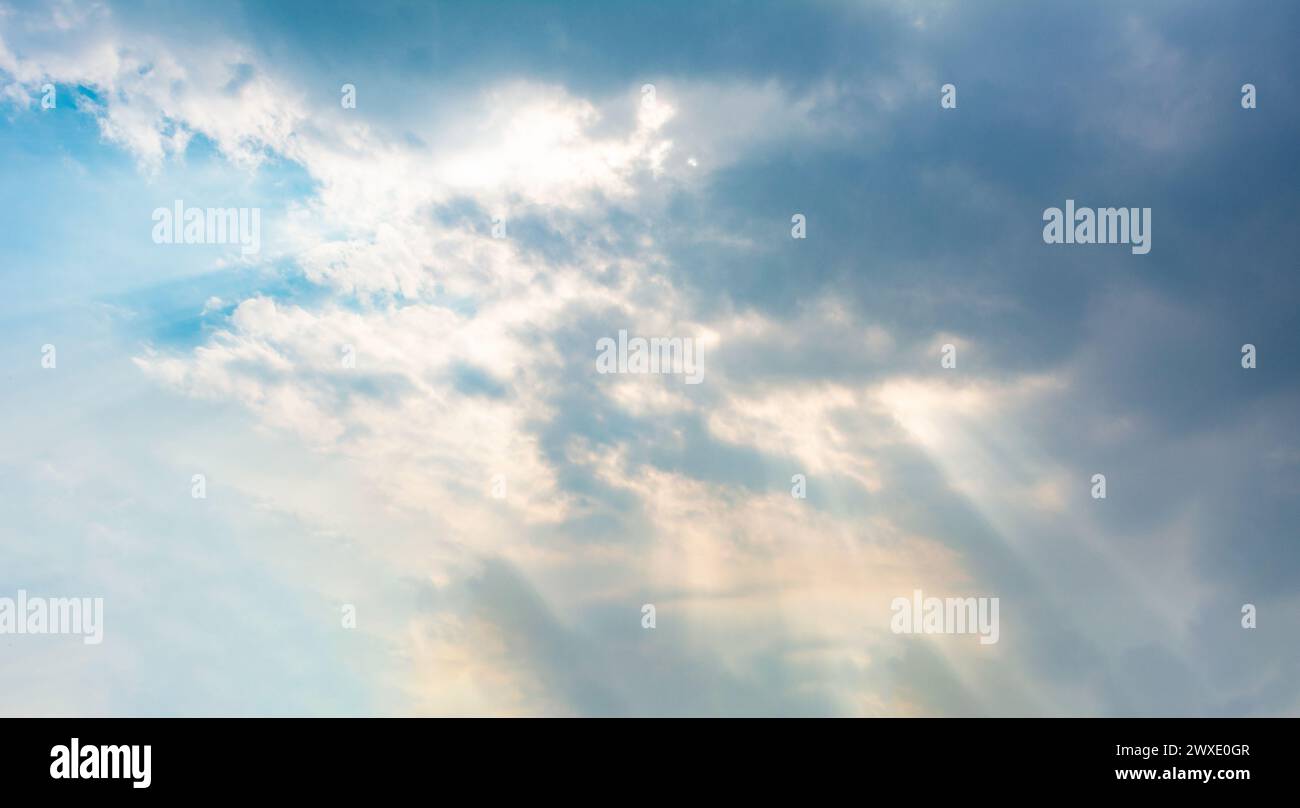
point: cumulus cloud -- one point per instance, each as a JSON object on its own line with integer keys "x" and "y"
{"x": 434, "y": 356}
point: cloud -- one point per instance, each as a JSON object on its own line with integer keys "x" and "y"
{"x": 355, "y": 392}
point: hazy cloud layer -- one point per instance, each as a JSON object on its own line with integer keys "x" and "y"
{"x": 666, "y": 215}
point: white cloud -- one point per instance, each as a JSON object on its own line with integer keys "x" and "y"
{"x": 752, "y": 569}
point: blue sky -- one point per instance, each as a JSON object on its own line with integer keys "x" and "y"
{"x": 475, "y": 356}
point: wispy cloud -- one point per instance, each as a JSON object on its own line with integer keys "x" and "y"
{"x": 395, "y": 404}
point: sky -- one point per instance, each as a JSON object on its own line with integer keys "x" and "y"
{"x": 417, "y": 495}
